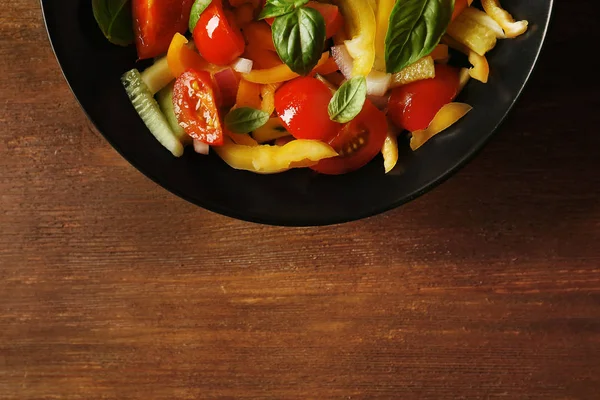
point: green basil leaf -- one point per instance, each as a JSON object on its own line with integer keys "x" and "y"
{"x": 277, "y": 8}
{"x": 114, "y": 19}
{"x": 197, "y": 9}
{"x": 416, "y": 27}
{"x": 245, "y": 120}
{"x": 299, "y": 39}
{"x": 349, "y": 100}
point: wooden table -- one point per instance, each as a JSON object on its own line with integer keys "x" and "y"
{"x": 487, "y": 287}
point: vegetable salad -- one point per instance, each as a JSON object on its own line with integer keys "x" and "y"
{"x": 271, "y": 85}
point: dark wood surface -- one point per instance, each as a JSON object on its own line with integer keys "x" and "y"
{"x": 487, "y": 287}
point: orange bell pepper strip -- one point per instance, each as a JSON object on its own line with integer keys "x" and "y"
{"x": 262, "y": 58}
{"x": 248, "y": 95}
{"x": 328, "y": 67}
{"x": 181, "y": 58}
{"x": 259, "y": 34}
{"x": 267, "y": 93}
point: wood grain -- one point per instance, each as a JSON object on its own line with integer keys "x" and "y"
{"x": 112, "y": 288}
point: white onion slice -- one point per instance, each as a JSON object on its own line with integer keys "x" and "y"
{"x": 201, "y": 147}
{"x": 242, "y": 65}
{"x": 343, "y": 59}
{"x": 378, "y": 83}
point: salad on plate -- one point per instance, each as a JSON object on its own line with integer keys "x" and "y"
{"x": 271, "y": 85}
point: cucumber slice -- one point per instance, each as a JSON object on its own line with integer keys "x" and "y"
{"x": 148, "y": 109}
{"x": 157, "y": 76}
{"x": 165, "y": 100}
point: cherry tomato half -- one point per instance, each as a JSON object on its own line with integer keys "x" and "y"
{"x": 196, "y": 108}
{"x": 155, "y": 23}
{"x": 357, "y": 143}
{"x": 302, "y": 107}
{"x": 413, "y": 106}
{"x": 217, "y": 37}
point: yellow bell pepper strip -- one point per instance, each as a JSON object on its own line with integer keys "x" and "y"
{"x": 475, "y": 36}
{"x": 481, "y": 67}
{"x": 361, "y": 27}
{"x": 484, "y": 19}
{"x": 248, "y": 95}
{"x": 511, "y": 28}
{"x": 390, "y": 151}
{"x": 422, "y": 69}
{"x": 463, "y": 78}
{"x": 270, "y": 131}
{"x": 240, "y": 138}
{"x": 281, "y": 73}
{"x": 265, "y": 159}
{"x": 180, "y": 57}
{"x": 267, "y": 92}
{"x": 384, "y": 10}
{"x": 445, "y": 118}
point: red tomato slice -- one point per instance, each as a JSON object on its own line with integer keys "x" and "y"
{"x": 331, "y": 14}
{"x": 156, "y": 22}
{"x": 357, "y": 143}
{"x": 217, "y": 37}
{"x": 302, "y": 107}
{"x": 195, "y": 107}
{"x": 413, "y": 106}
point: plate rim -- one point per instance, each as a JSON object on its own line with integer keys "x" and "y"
{"x": 423, "y": 189}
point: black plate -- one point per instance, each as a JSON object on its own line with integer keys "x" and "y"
{"x": 93, "y": 67}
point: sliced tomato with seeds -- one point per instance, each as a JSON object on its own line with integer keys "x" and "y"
{"x": 196, "y": 108}
{"x": 357, "y": 143}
